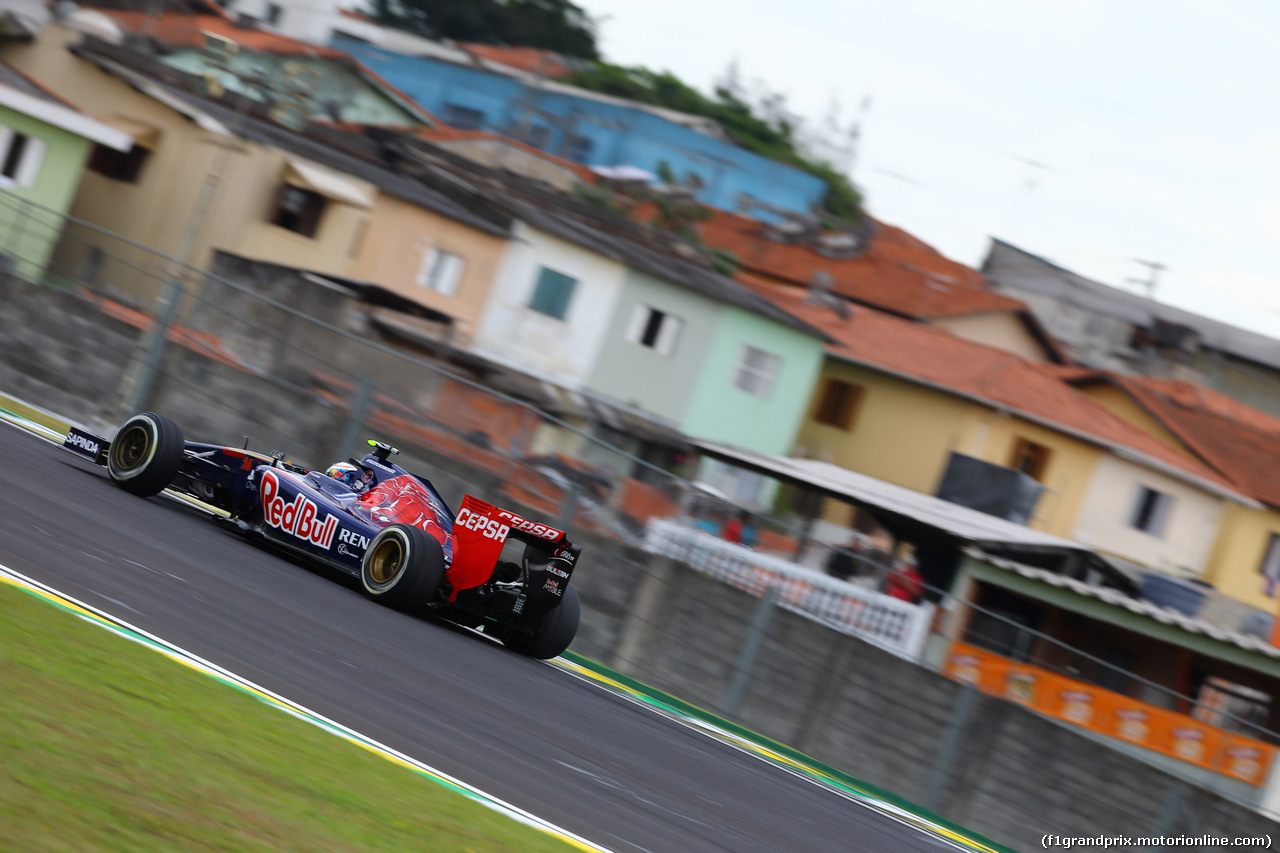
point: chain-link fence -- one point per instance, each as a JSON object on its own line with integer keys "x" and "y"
{"x": 95, "y": 326}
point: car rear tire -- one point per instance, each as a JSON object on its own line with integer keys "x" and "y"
{"x": 557, "y": 632}
{"x": 402, "y": 567}
{"x": 146, "y": 454}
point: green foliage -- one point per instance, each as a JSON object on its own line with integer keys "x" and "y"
{"x": 557, "y": 25}
{"x": 771, "y": 139}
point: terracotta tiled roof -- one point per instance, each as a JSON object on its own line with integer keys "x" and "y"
{"x": 186, "y": 31}
{"x": 934, "y": 356}
{"x": 895, "y": 272}
{"x": 544, "y": 63}
{"x": 444, "y": 133}
{"x": 1241, "y": 443}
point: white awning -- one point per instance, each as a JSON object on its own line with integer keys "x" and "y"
{"x": 909, "y": 510}
{"x": 331, "y": 185}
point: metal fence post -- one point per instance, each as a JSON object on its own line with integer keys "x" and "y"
{"x": 359, "y": 412}
{"x": 1168, "y": 814}
{"x": 750, "y": 652}
{"x": 960, "y": 713}
{"x": 138, "y": 383}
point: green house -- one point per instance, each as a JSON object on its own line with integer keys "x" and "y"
{"x": 45, "y": 144}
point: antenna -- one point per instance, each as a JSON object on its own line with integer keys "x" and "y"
{"x": 1028, "y": 187}
{"x": 1155, "y": 268}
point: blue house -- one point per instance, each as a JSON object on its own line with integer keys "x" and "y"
{"x": 590, "y": 128}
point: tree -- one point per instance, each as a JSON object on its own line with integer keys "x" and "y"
{"x": 557, "y": 25}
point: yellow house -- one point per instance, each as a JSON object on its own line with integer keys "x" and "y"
{"x": 897, "y": 398}
{"x": 1240, "y": 443}
{"x": 203, "y": 175}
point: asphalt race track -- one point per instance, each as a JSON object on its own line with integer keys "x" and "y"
{"x": 597, "y": 764}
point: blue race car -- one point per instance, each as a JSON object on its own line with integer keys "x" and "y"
{"x": 373, "y": 520}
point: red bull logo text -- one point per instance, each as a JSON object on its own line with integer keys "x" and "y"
{"x": 297, "y": 518}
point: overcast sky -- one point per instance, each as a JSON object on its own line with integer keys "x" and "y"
{"x": 1155, "y": 123}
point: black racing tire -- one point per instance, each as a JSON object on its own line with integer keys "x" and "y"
{"x": 146, "y": 454}
{"x": 403, "y": 567}
{"x": 557, "y": 631}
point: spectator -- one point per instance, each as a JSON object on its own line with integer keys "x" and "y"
{"x": 905, "y": 581}
{"x": 708, "y": 524}
{"x": 841, "y": 562}
{"x": 739, "y": 530}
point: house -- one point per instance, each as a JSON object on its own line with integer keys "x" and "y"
{"x": 1104, "y": 327}
{"x": 468, "y": 92}
{"x": 1185, "y": 695}
{"x": 1239, "y": 442}
{"x": 900, "y": 400}
{"x": 595, "y": 305}
{"x": 317, "y": 199}
{"x": 45, "y": 143}
{"x": 302, "y": 81}
{"x": 883, "y": 267}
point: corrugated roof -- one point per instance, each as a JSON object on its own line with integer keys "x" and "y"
{"x": 15, "y": 79}
{"x": 931, "y": 355}
{"x": 908, "y": 510}
{"x": 1114, "y": 597}
{"x": 1010, "y": 266}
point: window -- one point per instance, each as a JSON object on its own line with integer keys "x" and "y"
{"x": 838, "y": 404}
{"x": 462, "y": 117}
{"x": 654, "y": 329}
{"x": 1030, "y": 458}
{"x": 299, "y": 210}
{"x": 440, "y": 271}
{"x": 552, "y": 293}
{"x": 1150, "y": 511}
{"x": 534, "y": 134}
{"x": 1270, "y": 567}
{"x": 123, "y": 166}
{"x": 756, "y": 371}
{"x": 579, "y": 149}
{"x": 274, "y": 14}
{"x": 20, "y": 158}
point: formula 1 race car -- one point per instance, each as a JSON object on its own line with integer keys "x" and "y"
{"x": 390, "y": 528}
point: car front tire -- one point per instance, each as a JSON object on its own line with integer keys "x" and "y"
{"x": 146, "y": 454}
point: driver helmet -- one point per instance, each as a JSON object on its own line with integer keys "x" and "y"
{"x": 347, "y": 473}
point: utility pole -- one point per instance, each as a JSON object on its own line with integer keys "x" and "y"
{"x": 1150, "y": 282}
{"x": 139, "y": 379}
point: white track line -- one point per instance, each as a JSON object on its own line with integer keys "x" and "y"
{"x": 124, "y": 629}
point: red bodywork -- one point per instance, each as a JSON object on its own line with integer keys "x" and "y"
{"x": 479, "y": 532}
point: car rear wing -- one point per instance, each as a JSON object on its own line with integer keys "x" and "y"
{"x": 481, "y": 529}
{"x": 86, "y": 444}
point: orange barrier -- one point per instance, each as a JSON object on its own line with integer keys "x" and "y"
{"x": 1112, "y": 714}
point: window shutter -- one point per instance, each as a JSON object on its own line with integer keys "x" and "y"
{"x": 666, "y": 343}
{"x": 32, "y": 160}
{"x": 428, "y": 264}
{"x": 639, "y": 319}
{"x": 1163, "y": 507}
{"x": 449, "y": 274}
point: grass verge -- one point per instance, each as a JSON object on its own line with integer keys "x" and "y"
{"x": 107, "y": 745}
